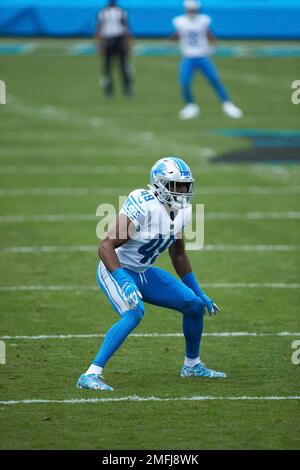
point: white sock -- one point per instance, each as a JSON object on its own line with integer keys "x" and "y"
{"x": 191, "y": 362}
{"x": 94, "y": 370}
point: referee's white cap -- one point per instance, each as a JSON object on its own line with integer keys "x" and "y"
{"x": 192, "y": 5}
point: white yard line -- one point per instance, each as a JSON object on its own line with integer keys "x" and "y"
{"x": 231, "y": 190}
{"x": 64, "y": 116}
{"x": 228, "y": 334}
{"x": 52, "y": 113}
{"x": 251, "y": 215}
{"x": 15, "y": 192}
{"x": 62, "y": 152}
{"x": 220, "y": 285}
{"x": 252, "y": 285}
{"x": 208, "y": 216}
{"x": 73, "y": 170}
{"x": 189, "y": 246}
{"x": 114, "y": 131}
{"x": 48, "y": 218}
{"x": 49, "y": 136}
{"x": 134, "y": 398}
{"x": 244, "y": 248}
{"x": 223, "y": 191}
{"x": 267, "y": 172}
{"x": 51, "y": 249}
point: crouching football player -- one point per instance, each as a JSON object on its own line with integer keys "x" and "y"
{"x": 150, "y": 222}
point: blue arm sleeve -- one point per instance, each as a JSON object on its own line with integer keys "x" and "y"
{"x": 191, "y": 281}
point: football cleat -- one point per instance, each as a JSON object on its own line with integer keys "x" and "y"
{"x": 199, "y": 370}
{"x": 92, "y": 382}
{"x": 190, "y": 111}
{"x": 231, "y": 110}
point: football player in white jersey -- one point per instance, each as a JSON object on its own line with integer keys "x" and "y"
{"x": 193, "y": 32}
{"x": 151, "y": 221}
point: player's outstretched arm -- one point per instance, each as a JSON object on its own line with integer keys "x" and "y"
{"x": 183, "y": 268}
{"x": 212, "y": 37}
{"x": 117, "y": 235}
{"x": 174, "y": 37}
{"x": 180, "y": 258}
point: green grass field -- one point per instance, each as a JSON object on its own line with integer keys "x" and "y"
{"x": 64, "y": 149}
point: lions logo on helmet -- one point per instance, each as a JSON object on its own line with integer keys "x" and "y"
{"x": 172, "y": 182}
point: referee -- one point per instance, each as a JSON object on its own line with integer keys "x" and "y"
{"x": 113, "y": 35}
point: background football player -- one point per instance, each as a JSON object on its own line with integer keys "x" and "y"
{"x": 150, "y": 222}
{"x": 194, "y": 34}
{"x": 113, "y": 37}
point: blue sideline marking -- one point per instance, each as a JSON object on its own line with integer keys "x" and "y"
{"x": 163, "y": 50}
{"x": 16, "y": 49}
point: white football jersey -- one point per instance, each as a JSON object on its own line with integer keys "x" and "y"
{"x": 192, "y": 32}
{"x": 113, "y": 22}
{"x": 156, "y": 227}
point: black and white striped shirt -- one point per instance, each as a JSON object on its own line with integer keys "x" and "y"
{"x": 113, "y": 22}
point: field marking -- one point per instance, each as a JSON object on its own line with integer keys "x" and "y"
{"x": 161, "y": 49}
{"x": 52, "y": 152}
{"x": 15, "y": 192}
{"x": 52, "y": 113}
{"x": 48, "y": 218}
{"x": 266, "y": 171}
{"x": 48, "y": 136}
{"x": 244, "y": 248}
{"x": 272, "y": 174}
{"x": 229, "y": 334}
{"x": 135, "y": 398}
{"x": 73, "y": 169}
{"x": 226, "y": 190}
{"x": 219, "y": 285}
{"x": 252, "y": 215}
{"x": 91, "y": 217}
{"x": 17, "y": 48}
{"x": 189, "y": 246}
{"x": 64, "y": 116}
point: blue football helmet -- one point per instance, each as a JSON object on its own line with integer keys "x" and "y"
{"x": 172, "y": 182}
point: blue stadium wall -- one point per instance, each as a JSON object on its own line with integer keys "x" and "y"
{"x": 276, "y": 19}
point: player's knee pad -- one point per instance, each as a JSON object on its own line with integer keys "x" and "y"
{"x": 194, "y": 307}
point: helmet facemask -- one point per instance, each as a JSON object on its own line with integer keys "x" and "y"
{"x": 171, "y": 192}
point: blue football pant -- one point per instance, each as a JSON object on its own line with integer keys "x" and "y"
{"x": 158, "y": 287}
{"x": 189, "y": 66}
